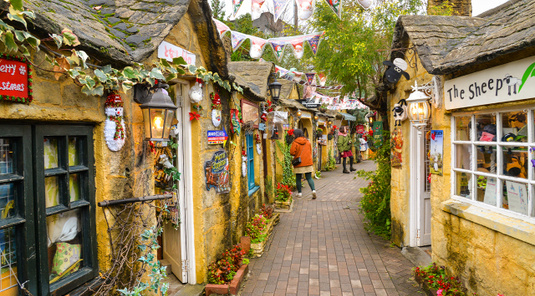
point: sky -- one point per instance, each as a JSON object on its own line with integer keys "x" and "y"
{"x": 478, "y": 7}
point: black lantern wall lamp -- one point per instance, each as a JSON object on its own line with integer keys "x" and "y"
{"x": 158, "y": 110}
{"x": 275, "y": 90}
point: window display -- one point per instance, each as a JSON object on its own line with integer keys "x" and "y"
{"x": 491, "y": 164}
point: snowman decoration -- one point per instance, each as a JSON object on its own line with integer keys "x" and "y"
{"x": 216, "y": 109}
{"x": 195, "y": 93}
{"x": 244, "y": 164}
{"x": 114, "y": 129}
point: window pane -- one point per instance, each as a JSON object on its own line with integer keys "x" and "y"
{"x": 486, "y": 190}
{"x": 6, "y": 156}
{"x": 462, "y": 128}
{"x": 462, "y": 184}
{"x": 64, "y": 244}
{"x": 74, "y": 157}
{"x": 514, "y": 127}
{"x": 51, "y": 153}
{"x": 486, "y": 127}
{"x": 486, "y": 159}
{"x": 7, "y": 201}
{"x": 515, "y": 162}
{"x": 464, "y": 154}
{"x": 515, "y": 197}
{"x": 74, "y": 187}
{"x": 51, "y": 191}
{"x": 8, "y": 282}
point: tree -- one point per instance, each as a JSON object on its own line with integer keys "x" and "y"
{"x": 356, "y": 45}
{"x": 218, "y": 9}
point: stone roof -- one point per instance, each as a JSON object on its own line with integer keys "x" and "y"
{"x": 253, "y": 77}
{"x": 124, "y": 31}
{"x": 295, "y": 105}
{"x": 450, "y": 43}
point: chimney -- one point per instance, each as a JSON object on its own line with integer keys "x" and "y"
{"x": 460, "y": 7}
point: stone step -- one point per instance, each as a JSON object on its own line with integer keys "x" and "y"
{"x": 190, "y": 290}
{"x": 165, "y": 262}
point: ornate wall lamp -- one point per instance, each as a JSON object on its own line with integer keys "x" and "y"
{"x": 158, "y": 110}
{"x": 418, "y": 105}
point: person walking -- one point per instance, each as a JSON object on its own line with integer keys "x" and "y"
{"x": 344, "y": 145}
{"x": 301, "y": 149}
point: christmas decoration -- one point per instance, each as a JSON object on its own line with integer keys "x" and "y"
{"x": 17, "y": 79}
{"x": 235, "y": 121}
{"x": 195, "y": 93}
{"x": 216, "y": 109}
{"x": 400, "y": 112}
{"x": 194, "y": 116}
{"x": 243, "y": 163}
{"x": 114, "y": 128}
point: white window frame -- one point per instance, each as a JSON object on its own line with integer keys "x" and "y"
{"x": 529, "y": 181}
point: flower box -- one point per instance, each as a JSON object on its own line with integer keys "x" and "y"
{"x": 429, "y": 291}
{"x": 231, "y": 288}
{"x": 258, "y": 248}
{"x": 284, "y": 206}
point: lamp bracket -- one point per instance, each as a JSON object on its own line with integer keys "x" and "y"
{"x": 142, "y": 91}
{"x": 431, "y": 89}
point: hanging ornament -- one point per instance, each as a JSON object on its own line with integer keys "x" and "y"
{"x": 400, "y": 112}
{"x": 395, "y": 69}
{"x": 278, "y": 49}
{"x": 243, "y": 163}
{"x": 216, "y": 109}
{"x": 305, "y": 9}
{"x": 195, "y": 93}
{"x": 335, "y": 6}
{"x": 194, "y": 116}
{"x": 114, "y": 128}
{"x": 298, "y": 49}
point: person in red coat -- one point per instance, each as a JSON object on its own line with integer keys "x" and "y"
{"x": 301, "y": 147}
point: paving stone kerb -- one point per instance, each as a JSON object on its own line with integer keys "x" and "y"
{"x": 321, "y": 248}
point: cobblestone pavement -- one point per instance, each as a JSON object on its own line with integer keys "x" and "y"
{"x": 321, "y": 248}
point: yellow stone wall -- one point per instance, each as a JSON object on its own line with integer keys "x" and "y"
{"x": 490, "y": 252}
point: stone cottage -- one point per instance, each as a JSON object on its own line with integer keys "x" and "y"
{"x": 58, "y": 168}
{"x": 464, "y": 184}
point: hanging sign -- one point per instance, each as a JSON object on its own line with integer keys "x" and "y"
{"x": 505, "y": 83}
{"x": 361, "y": 129}
{"x": 216, "y": 172}
{"x": 216, "y": 137}
{"x": 377, "y": 133}
{"x": 169, "y": 51}
{"x": 15, "y": 79}
{"x": 396, "y": 148}
{"x": 436, "y": 147}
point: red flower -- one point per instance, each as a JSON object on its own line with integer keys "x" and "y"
{"x": 291, "y": 132}
{"x": 194, "y": 115}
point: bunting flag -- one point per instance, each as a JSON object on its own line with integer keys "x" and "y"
{"x": 314, "y": 42}
{"x": 295, "y": 75}
{"x": 256, "y": 8}
{"x": 309, "y": 92}
{"x": 257, "y": 47}
{"x": 281, "y": 71}
{"x": 365, "y": 3}
{"x": 322, "y": 78}
{"x": 278, "y": 48}
{"x": 236, "y": 4}
{"x": 298, "y": 48}
{"x": 237, "y": 39}
{"x": 311, "y": 78}
{"x": 305, "y": 8}
{"x": 221, "y": 27}
{"x": 279, "y": 6}
{"x": 335, "y": 6}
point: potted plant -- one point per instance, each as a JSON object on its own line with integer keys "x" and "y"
{"x": 226, "y": 274}
{"x": 283, "y": 197}
{"x": 322, "y": 108}
{"x": 259, "y": 229}
{"x": 435, "y": 281}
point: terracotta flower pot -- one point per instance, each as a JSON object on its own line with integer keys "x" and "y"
{"x": 231, "y": 288}
{"x": 245, "y": 243}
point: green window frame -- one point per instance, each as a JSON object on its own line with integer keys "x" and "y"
{"x": 73, "y": 175}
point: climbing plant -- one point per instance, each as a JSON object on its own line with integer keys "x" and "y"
{"x": 288, "y": 177}
{"x": 94, "y": 80}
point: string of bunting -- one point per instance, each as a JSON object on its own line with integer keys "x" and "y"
{"x": 305, "y": 8}
{"x": 310, "y": 78}
{"x": 278, "y": 45}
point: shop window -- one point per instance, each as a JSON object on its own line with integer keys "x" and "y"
{"x": 46, "y": 207}
{"x": 493, "y": 163}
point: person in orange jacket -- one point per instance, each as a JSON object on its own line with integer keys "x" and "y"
{"x": 302, "y": 148}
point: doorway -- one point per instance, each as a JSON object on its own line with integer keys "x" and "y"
{"x": 178, "y": 244}
{"x": 420, "y": 188}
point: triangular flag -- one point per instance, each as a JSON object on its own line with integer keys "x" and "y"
{"x": 336, "y": 6}
{"x": 237, "y": 39}
{"x": 257, "y": 47}
{"x": 322, "y": 78}
{"x": 305, "y": 8}
{"x": 236, "y": 4}
{"x": 314, "y": 42}
{"x": 278, "y": 48}
{"x": 221, "y": 27}
{"x": 297, "y": 45}
{"x": 278, "y": 7}
{"x": 365, "y": 3}
{"x": 256, "y": 8}
{"x": 310, "y": 78}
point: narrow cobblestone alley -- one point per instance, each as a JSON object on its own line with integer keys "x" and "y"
{"x": 321, "y": 248}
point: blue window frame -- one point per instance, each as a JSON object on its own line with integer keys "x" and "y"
{"x": 249, "y": 139}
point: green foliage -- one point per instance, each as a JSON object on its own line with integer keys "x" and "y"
{"x": 331, "y": 161}
{"x": 358, "y": 43}
{"x": 149, "y": 245}
{"x": 255, "y": 228}
{"x": 218, "y": 9}
{"x": 288, "y": 176}
{"x": 436, "y": 277}
{"x": 270, "y": 190}
{"x": 223, "y": 270}
{"x": 445, "y": 8}
{"x": 375, "y": 204}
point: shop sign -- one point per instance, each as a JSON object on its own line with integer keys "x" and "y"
{"x": 361, "y": 129}
{"x": 169, "y": 51}
{"x": 15, "y": 79}
{"x": 377, "y": 133}
{"x": 504, "y": 83}
{"x": 216, "y": 172}
{"x": 216, "y": 137}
